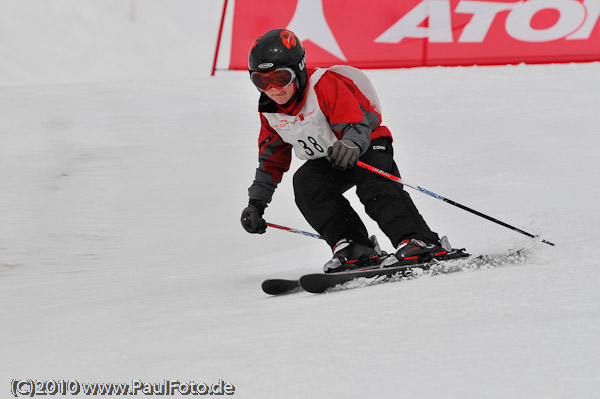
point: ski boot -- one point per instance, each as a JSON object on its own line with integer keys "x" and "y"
{"x": 413, "y": 251}
{"x": 418, "y": 251}
{"x": 350, "y": 255}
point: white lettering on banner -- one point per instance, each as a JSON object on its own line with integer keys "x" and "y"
{"x": 440, "y": 24}
{"x": 484, "y": 13}
{"x": 593, "y": 15}
{"x": 576, "y": 21}
{"x": 518, "y": 22}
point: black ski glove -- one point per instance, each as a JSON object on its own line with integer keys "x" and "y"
{"x": 252, "y": 220}
{"x": 343, "y": 154}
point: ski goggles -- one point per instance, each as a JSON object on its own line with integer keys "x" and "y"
{"x": 280, "y": 77}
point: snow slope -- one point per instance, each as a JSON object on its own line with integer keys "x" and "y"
{"x": 120, "y": 188}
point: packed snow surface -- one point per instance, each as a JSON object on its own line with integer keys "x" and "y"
{"x": 124, "y": 168}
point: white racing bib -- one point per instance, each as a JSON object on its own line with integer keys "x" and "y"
{"x": 309, "y": 132}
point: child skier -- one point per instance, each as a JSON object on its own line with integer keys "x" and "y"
{"x": 331, "y": 118}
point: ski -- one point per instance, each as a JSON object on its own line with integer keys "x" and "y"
{"x": 318, "y": 283}
{"x": 280, "y": 286}
{"x": 386, "y": 270}
{"x": 283, "y": 286}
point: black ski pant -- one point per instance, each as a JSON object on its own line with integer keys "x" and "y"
{"x": 319, "y": 189}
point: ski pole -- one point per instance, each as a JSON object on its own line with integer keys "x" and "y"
{"x": 449, "y": 201}
{"x": 291, "y": 230}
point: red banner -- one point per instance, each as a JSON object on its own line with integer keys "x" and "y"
{"x": 408, "y": 33}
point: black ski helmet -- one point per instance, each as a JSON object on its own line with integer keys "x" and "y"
{"x": 279, "y": 48}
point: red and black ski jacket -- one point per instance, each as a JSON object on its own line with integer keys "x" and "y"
{"x": 349, "y": 113}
